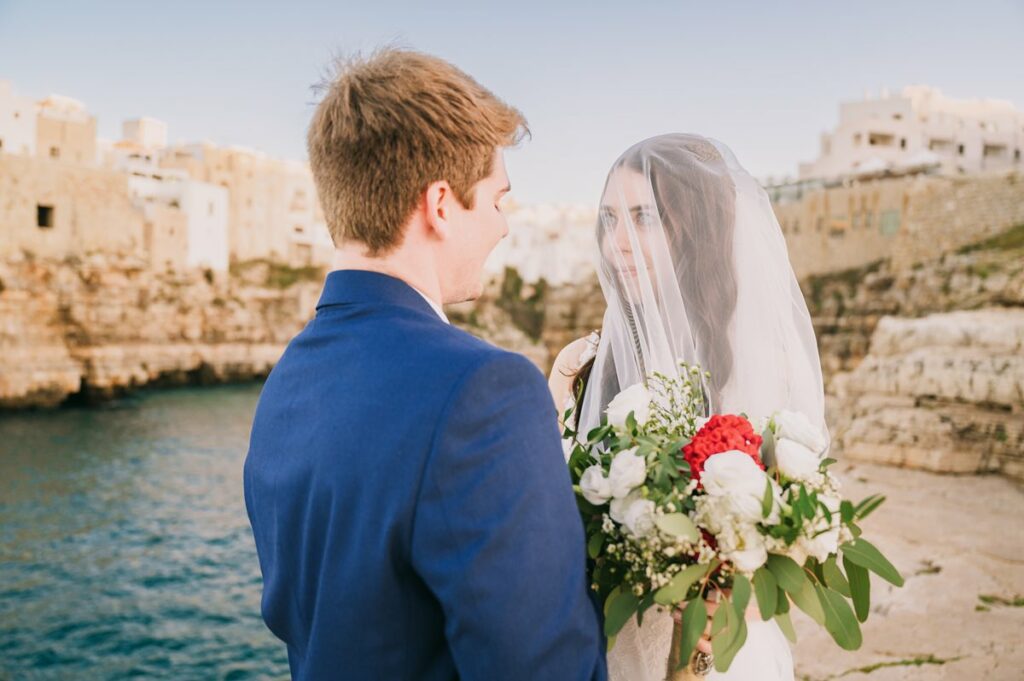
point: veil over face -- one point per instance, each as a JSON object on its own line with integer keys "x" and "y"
{"x": 694, "y": 267}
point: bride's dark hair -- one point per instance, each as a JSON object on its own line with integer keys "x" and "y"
{"x": 696, "y": 201}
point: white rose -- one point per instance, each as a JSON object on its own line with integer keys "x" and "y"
{"x": 628, "y": 471}
{"x": 636, "y": 399}
{"x": 794, "y": 425}
{"x": 821, "y": 546}
{"x": 595, "y": 487}
{"x": 751, "y": 552}
{"x": 619, "y": 506}
{"x": 638, "y": 518}
{"x": 796, "y": 461}
{"x": 733, "y": 473}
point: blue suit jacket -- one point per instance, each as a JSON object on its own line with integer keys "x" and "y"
{"x": 412, "y": 512}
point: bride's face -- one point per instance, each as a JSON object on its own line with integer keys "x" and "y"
{"x": 628, "y": 208}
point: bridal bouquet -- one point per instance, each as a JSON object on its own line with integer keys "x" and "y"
{"x": 677, "y": 507}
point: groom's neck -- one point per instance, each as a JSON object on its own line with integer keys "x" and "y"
{"x": 405, "y": 263}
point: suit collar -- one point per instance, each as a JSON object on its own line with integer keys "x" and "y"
{"x": 360, "y": 286}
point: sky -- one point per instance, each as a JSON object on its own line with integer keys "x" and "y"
{"x": 592, "y": 78}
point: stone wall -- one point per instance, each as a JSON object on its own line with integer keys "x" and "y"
{"x": 90, "y": 209}
{"x": 908, "y": 220}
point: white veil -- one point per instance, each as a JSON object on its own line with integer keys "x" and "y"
{"x": 694, "y": 267}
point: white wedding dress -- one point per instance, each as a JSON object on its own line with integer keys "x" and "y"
{"x": 694, "y": 268}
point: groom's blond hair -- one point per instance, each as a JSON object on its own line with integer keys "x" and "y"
{"x": 390, "y": 125}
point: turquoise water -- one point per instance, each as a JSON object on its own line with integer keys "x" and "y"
{"x": 125, "y": 551}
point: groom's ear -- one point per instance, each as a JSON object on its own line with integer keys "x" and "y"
{"x": 440, "y": 203}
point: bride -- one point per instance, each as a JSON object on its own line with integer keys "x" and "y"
{"x": 693, "y": 267}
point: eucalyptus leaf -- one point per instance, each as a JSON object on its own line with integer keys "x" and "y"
{"x": 767, "y": 592}
{"x": 619, "y": 607}
{"x": 807, "y": 600}
{"x": 695, "y": 619}
{"x": 675, "y": 591}
{"x": 786, "y": 625}
{"x": 839, "y": 619}
{"x": 678, "y": 525}
{"x": 860, "y": 588}
{"x": 788, "y": 574}
{"x": 595, "y": 545}
{"x": 782, "y": 602}
{"x": 732, "y": 639}
{"x": 740, "y": 592}
{"x": 865, "y": 507}
{"x": 863, "y": 553}
{"x": 768, "y": 500}
{"x": 834, "y": 577}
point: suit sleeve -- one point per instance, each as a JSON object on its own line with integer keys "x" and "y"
{"x": 497, "y": 536}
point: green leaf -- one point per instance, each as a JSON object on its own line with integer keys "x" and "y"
{"x": 834, "y": 576}
{"x": 631, "y": 422}
{"x": 807, "y": 600}
{"x": 768, "y": 447}
{"x": 719, "y": 620}
{"x": 645, "y": 604}
{"x": 767, "y": 592}
{"x": 732, "y": 639}
{"x": 740, "y": 592}
{"x": 619, "y": 607}
{"x": 788, "y": 574}
{"x": 695, "y": 619}
{"x": 863, "y": 553}
{"x": 860, "y": 588}
{"x": 846, "y": 511}
{"x": 825, "y": 463}
{"x": 839, "y": 619}
{"x": 675, "y": 591}
{"x": 595, "y": 545}
{"x": 865, "y": 507}
{"x": 679, "y": 526}
{"x": 786, "y": 625}
{"x": 782, "y": 602}
{"x": 767, "y": 501}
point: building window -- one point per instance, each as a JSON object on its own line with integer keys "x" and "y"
{"x": 897, "y": 117}
{"x": 903, "y": 143}
{"x": 1, "y": 143}
{"x": 960, "y": 149}
{"x": 209, "y": 208}
{"x": 881, "y": 139}
{"x": 54, "y": 152}
{"x": 856, "y": 139}
{"x": 1016, "y": 155}
{"x": 44, "y": 216}
{"x": 940, "y": 145}
{"x": 994, "y": 151}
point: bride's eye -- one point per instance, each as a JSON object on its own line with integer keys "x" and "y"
{"x": 607, "y": 218}
{"x": 644, "y": 218}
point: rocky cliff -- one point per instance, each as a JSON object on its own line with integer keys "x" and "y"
{"x": 95, "y": 327}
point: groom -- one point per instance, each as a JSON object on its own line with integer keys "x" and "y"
{"x": 405, "y": 481}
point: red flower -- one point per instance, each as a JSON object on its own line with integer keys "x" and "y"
{"x": 723, "y": 432}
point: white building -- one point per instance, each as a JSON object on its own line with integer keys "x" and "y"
{"x": 204, "y": 205}
{"x": 147, "y": 133}
{"x": 309, "y": 239}
{"x": 17, "y": 122}
{"x": 920, "y": 127}
{"x": 554, "y": 242}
